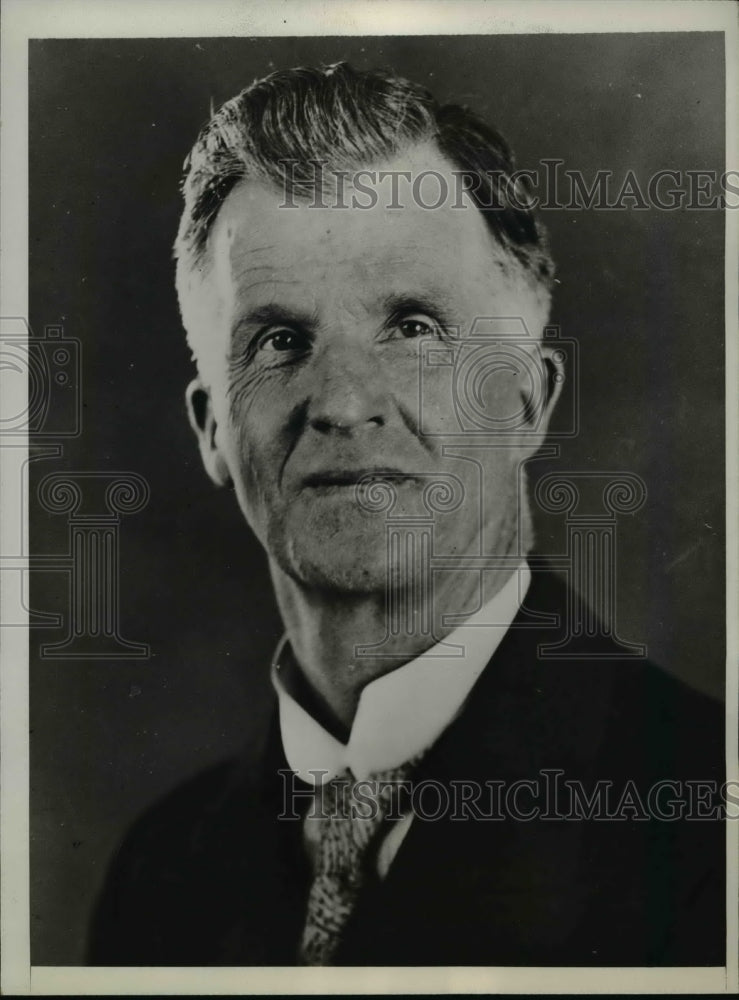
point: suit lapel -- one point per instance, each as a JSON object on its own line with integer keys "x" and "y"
{"x": 463, "y": 888}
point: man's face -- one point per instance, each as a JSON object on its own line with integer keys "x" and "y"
{"x": 312, "y": 326}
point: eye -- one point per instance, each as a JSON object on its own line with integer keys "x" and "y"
{"x": 418, "y": 325}
{"x": 282, "y": 339}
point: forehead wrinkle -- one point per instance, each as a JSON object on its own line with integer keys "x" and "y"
{"x": 275, "y": 283}
{"x": 240, "y": 268}
{"x": 238, "y": 250}
{"x": 236, "y": 243}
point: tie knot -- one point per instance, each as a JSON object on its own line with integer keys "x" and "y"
{"x": 367, "y": 800}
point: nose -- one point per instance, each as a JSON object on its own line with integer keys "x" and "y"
{"x": 348, "y": 395}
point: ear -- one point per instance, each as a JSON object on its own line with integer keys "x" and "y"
{"x": 539, "y": 401}
{"x": 203, "y": 422}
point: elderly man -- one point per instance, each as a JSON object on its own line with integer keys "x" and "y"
{"x": 344, "y": 238}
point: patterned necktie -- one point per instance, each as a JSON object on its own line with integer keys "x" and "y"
{"x": 349, "y": 815}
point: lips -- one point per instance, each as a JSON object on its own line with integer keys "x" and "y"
{"x": 328, "y": 478}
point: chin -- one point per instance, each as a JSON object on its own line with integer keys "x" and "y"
{"x": 323, "y": 551}
{"x": 334, "y": 570}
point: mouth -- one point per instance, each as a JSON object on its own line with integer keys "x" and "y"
{"x": 352, "y": 478}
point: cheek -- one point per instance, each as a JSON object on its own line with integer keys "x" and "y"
{"x": 497, "y": 398}
{"x": 257, "y": 400}
{"x": 475, "y": 391}
{"x": 255, "y": 450}
{"x": 430, "y": 389}
{"x": 252, "y": 441}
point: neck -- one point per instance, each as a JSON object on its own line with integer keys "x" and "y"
{"x": 326, "y": 628}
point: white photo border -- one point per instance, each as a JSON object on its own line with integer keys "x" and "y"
{"x": 23, "y": 20}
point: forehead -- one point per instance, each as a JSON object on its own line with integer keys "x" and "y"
{"x": 354, "y": 240}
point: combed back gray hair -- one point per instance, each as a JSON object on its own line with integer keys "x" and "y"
{"x": 278, "y": 128}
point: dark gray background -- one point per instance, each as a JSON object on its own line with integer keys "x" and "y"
{"x": 111, "y": 122}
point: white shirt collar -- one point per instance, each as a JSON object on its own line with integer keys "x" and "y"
{"x": 402, "y": 713}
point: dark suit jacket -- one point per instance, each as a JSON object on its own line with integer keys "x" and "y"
{"x": 210, "y": 876}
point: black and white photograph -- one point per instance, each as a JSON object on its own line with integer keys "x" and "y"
{"x": 369, "y": 497}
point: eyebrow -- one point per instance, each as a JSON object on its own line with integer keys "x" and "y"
{"x": 400, "y": 303}
{"x": 272, "y": 313}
